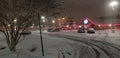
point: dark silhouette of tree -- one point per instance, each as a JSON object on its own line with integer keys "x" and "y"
{"x": 17, "y": 15}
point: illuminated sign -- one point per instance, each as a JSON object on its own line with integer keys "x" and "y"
{"x": 86, "y": 21}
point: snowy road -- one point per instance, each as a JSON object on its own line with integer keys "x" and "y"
{"x": 88, "y": 46}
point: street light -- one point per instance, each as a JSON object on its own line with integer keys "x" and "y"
{"x": 63, "y": 18}
{"x": 15, "y": 21}
{"x": 43, "y": 21}
{"x": 42, "y": 17}
{"x": 53, "y": 21}
{"x": 8, "y": 25}
{"x": 113, "y": 4}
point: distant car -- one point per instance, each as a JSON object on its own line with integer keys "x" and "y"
{"x": 25, "y": 32}
{"x": 56, "y": 30}
{"x": 91, "y": 30}
{"x": 53, "y": 30}
{"x": 81, "y": 30}
{"x": 50, "y": 29}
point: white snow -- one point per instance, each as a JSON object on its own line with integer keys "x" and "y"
{"x": 53, "y": 47}
{"x": 102, "y": 35}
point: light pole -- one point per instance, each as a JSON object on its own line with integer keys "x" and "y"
{"x": 41, "y": 34}
{"x": 113, "y": 4}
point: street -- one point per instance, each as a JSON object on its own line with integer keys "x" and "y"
{"x": 95, "y": 46}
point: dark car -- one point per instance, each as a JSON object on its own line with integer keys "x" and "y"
{"x": 81, "y": 30}
{"x": 25, "y": 32}
{"x": 91, "y": 30}
{"x": 50, "y": 29}
{"x": 56, "y": 30}
{"x": 53, "y": 30}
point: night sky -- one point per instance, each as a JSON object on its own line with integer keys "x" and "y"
{"x": 88, "y": 8}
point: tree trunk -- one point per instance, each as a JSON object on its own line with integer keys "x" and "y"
{"x": 12, "y": 47}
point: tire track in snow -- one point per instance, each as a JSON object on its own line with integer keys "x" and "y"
{"x": 90, "y": 43}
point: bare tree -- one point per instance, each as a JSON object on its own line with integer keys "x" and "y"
{"x": 17, "y": 15}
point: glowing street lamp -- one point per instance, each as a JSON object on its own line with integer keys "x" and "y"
{"x": 63, "y": 18}
{"x": 53, "y": 21}
{"x": 42, "y": 17}
{"x": 113, "y": 4}
{"x": 43, "y": 20}
{"x": 8, "y": 25}
{"x": 15, "y": 21}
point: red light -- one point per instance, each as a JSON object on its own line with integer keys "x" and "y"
{"x": 80, "y": 26}
{"x": 67, "y": 25}
{"x": 110, "y": 25}
{"x": 99, "y": 25}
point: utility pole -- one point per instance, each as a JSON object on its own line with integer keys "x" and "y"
{"x": 39, "y": 19}
{"x": 113, "y": 4}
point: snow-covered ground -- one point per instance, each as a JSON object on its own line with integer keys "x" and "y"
{"x": 102, "y": 44}
{"x": 66, "y": 44}
{"x": 53, "y": 47}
